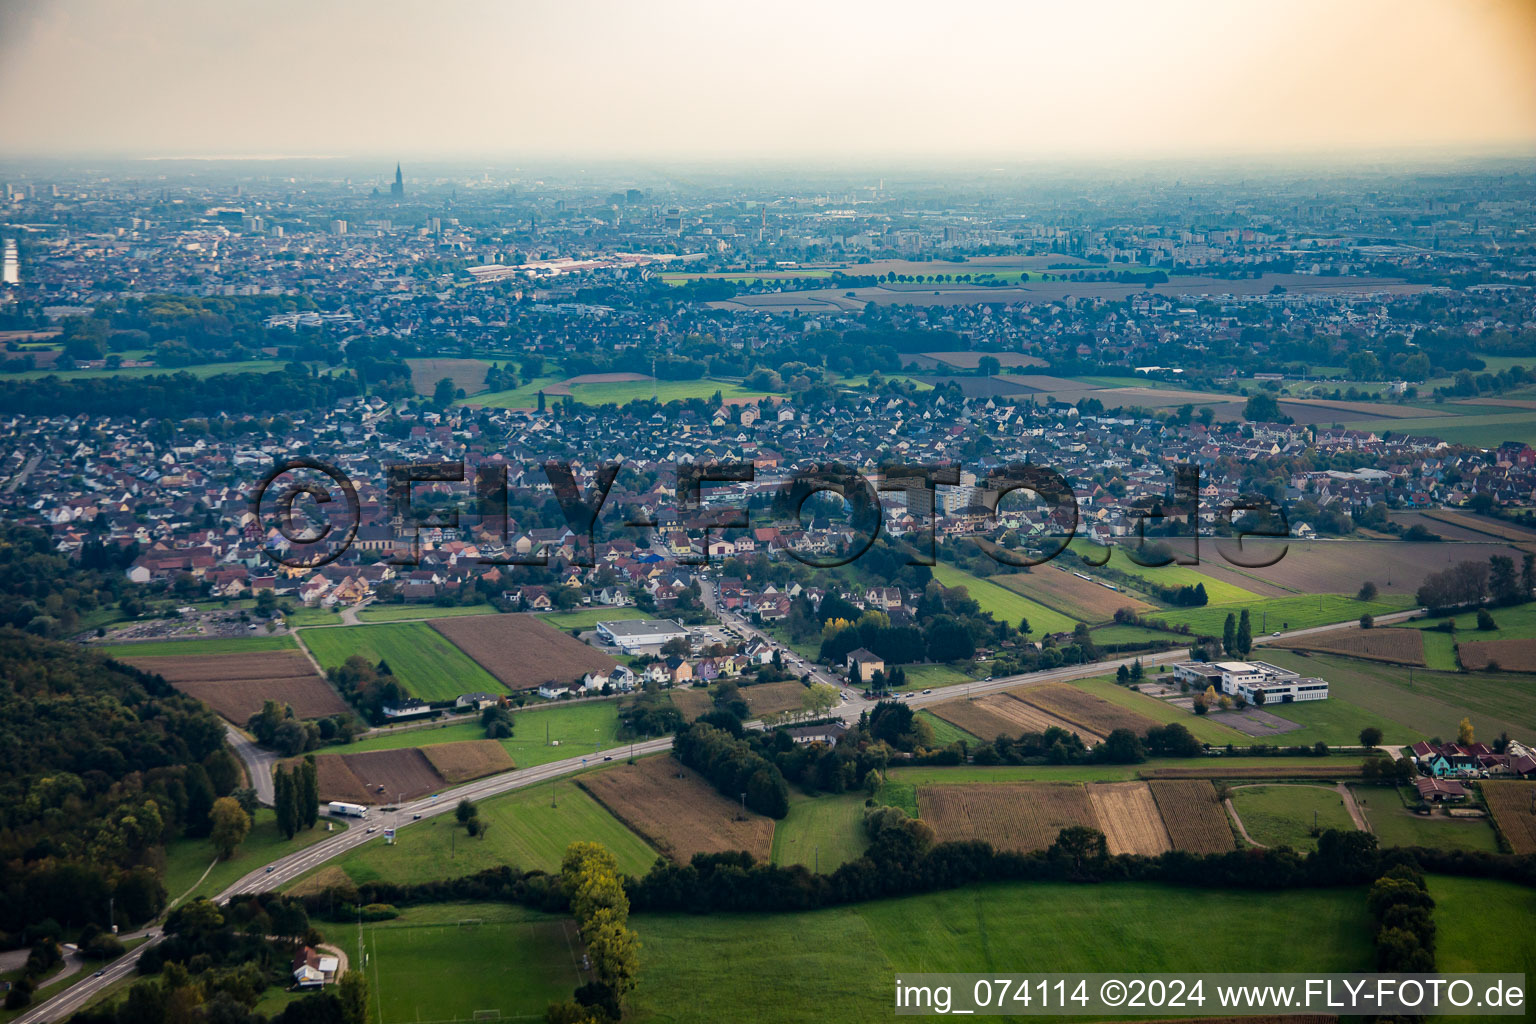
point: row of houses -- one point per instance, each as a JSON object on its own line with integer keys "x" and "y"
{"x": 1473, "y": 760}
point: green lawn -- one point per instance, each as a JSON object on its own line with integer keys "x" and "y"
{"x": 525, "y": 397}
{"x": 1204, "y": 730}
{"x": 1440, "y": 651}
{"x": 945, "y": 733}
{"x": 1283, "y": 613}
{"x": 1216, "y": 591}
{"x": 825, "y": 831}
{"x": 923, "y": 677}
{"x": 305, "y": 616}
{"x": 451, "y": 731}
{"x": 1004, "y": 604}
{"x": 421, "y": 658}
{"x": 1396, "y": 825}
{"x": 588, "y": 618}
{"x": 1284, "y": 815}
{"x": 210, "y": 645}
{"x": 1483, "y": 431}
{"x": 1463, "y": 909}
{"x": 578, "y": 728}
{"x": 525, "y": 831}
{"x": 1427, "y": 704}
{"x": 396, "y": 612}
{"x": 428, "y": 966}
{"x": 1122, "y": 634}
{"x": 186, "y": 859}
{"x": 1336, "y": 721}
{"x": 837, "y": 964}
{"x": 200, "y": 370}
{"x": 623, "y": 392}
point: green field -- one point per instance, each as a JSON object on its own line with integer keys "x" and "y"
{"x": 945, "y": 733}
{"x": 525, "y": 397}
{"x": 420, "y": 657}
{"x": 1268, "y": 615}
{"x": 302, "y": 616}
{"x": 1336, "y": 721}
{"x": 525, "y": 831}
{"x": 1204, "y": 730}
{"x": 675, "y": 278}
{"x": 396, "y": 612}
{"x": 578, "y": 728}
{"x": 1395, "y": 825}
{"x": 824, "y": 831}
{"x": 1480, "y": 431}
{"x": 1004, "y": 604}
{"x": 1216, "y": 591}
{"x": 454, "y": 730}
{"x": 1284, "y": 815}
{"x": 1463, "y": 908}
{"x": 199, "y": 370}
{"x": 210, "y": 645}
{"x": 923, "y": 677}
{"x": 588, "y": 618}
{"x": 622, "y": 392}
{"x": 837, "y": 964}
{"x": 1122, "y": 634}
{"x": 1429, "y": 704}
{"x": 186, "y": 859}
{"x": 428, "y": 966}
{"x": 1514, "y": 623}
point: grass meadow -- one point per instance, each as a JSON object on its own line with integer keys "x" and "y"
{"x": 421, "y": 658}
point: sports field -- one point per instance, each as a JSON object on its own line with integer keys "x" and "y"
{"x": 432, "y": 964}
{"x": 420, "y": 657}
{"x": 1004, "y": 604}
{"x": 837, "y": 964}
{"x": 525, "y": 831}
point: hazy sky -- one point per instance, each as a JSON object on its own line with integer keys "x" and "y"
{"x": 827, "y": 79}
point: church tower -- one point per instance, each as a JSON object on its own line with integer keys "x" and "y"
{"x": 398, "y": 188}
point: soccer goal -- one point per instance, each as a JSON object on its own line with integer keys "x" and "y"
{"x": 487, "y": 1015}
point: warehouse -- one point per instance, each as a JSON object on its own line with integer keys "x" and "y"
{"x": 631, "y": 634}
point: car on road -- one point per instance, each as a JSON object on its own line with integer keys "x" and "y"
{"x": 99, "y": 973}
{"x": 415, "y": 817}
{"x": 371, "y": 829}
{"x": 1275, "y": 633}
{"x": 608, "y": 758}
{"x": 927, "y": 691}
{"x": 270, "y": 867}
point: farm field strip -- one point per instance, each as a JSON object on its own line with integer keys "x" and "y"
{"x": 1514, "y": 655}
{"x": 1070, "y": 594}
{"x": 521, "y": 651}
{"x": 1029, "y": 717}
{"x": 675, "y": 810}
{"x": 975, "y": 718}
{"x": 1395, "y": 646}
{"x": 196, "y": 646}
{"x": 472, "y": 759}
{"x": 1020, "y": 816}
{"x": 236, "y": 685}
{"x": 1129, "y": 818}
{"x": 1514, "y": 810}
{"x": 1084, "y": 709}
{"x": 1003, "y": 603}
{"x": 1194, "y": 818}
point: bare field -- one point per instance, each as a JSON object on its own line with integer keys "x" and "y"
{"x": 522, "y": 651}
{"x": 236, "y": 685}
{"x": 376, "y": 776}
{"x": 1514, "y": 810}
{"x": 471, "y": 759}
{"x": 1397, "y": 646}
{"x": 970, "y": 360}
{"x": 1020, "y": 816}
{"x": 975, "y": 718}
{"x": 1341, "y": 566}
{"x": 1129, "y": 818}
{"x": 1095, "y": 714}
{"x": 1483, "y": 525}
{"x": 1071, "y": 595}
{"x": 1504, "y": 655}
{"x": 1307, "y": 769}
{"x": 676, "y": 811}
{"x": 1028, "y": 718}
{"x": 774, "y": 698}
{"x": 1194, "y": 818}
{"x": 466, "y": 374}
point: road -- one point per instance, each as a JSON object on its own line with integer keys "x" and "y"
{"x": 258, "y": 764}
{"x": 290, "y": 867}
{"x": 22, "y": 474}
{"x": 286, "y": 869}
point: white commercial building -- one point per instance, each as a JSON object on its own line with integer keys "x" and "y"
{"x": 631, "y": 634}
{"x": 1247, "y": 679}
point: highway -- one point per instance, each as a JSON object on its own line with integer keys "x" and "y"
{"x": 290, "y": 867}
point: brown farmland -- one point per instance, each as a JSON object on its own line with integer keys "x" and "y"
{"x": 471, "y": 759}
{"x": 1396, "y": 646}
{"x": 1071, "y": 595}
{"x": 1129, "y": 818}
{"x": 1483, "y": 525}
{"x": 466, "y": 374}
{"x": 975, "y": 718}
{"x": 1020, "y": 816}
{"x": 1095, "y": 714}
{"x": 1029, "y": 718}
{"x": 675, "y": 810}
{"x": 357, "y": 778}
{"x": 1504, "y": 655}
{"x": 521, "y": 651}
{"x": 1194, "y": 818}
{"x": 1514, "y": 810}
{"x": 235, "y": 685}
{"x": 1341, "y": 566}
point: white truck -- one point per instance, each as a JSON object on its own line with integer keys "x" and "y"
{"x": 348, "y": 810}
